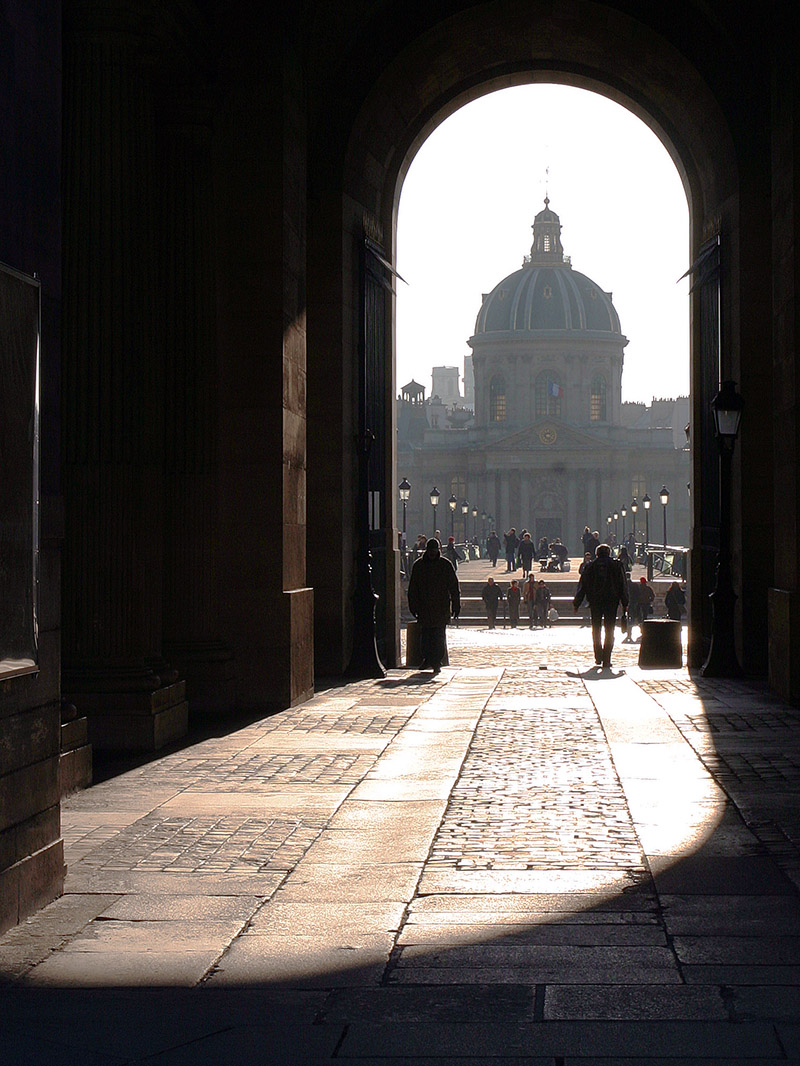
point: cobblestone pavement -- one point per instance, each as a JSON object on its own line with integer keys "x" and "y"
{"x": 520, "y": 861}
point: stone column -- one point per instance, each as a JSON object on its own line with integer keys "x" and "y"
{"x": 112, "y": 432}
{"x": 191, "y": 608}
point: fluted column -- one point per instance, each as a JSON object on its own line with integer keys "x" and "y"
{"x": 191, "y": 417}
{"x": 112, "y": 434}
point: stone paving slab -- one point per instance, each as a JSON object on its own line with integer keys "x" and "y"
{"x": 522, "y": 842}
{"x": 608, "y": 1038}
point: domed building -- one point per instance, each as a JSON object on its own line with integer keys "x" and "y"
{"x": 551, "y": 446}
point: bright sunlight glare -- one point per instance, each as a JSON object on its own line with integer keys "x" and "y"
{"x": 467, "y": 207}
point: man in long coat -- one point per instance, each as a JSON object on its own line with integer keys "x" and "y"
{"x": 433, "y": 596}
{"x": 604, "y": 586}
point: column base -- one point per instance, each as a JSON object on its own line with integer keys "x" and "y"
{"x": 209, "y": 670}
{"x": 134, "y": 721}
{"x": 75, "y": 761}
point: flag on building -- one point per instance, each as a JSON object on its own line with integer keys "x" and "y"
{"x": 554, "y": 389}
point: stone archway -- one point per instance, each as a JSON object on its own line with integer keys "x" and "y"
{"x": 502, "y": 44}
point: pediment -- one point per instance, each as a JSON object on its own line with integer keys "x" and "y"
{"x": 551, "y": 433}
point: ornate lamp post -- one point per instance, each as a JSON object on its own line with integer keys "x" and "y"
{"x": 465, "y": 512}
{"x": 608, "y": 524}
{"x": 623, "y": 511}
{"x": 434, "y": 505}
{"x": 474, "y": 523}
{"x": 664, "y": 497}
{"x": 727, "y": 408}
{"x": 634, "y": 509}
{"x": 452, "y": 503}
{"x": 616, "y": 527}
{"x": 404, "y": 489}
{"x": 484, "y": 516}
{"x": 646, "y": 501}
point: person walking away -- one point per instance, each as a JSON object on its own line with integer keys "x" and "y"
{"x": 625, "y": 559}
{"x": 634, "y": 609}
{"x": 646, "y": 599}
{"x": 527, "y": 550}
{"x": 592, "y": 542}
{"x": 603, "y": 585}
{"x": 511, "y": 541}
{"x": 529, "y": 597}
{"x": 491, "y": 596}
{"x": 513, "y": 597}
{"x": 543, "y": 598}
{"x": 452, "y": 553}
{"x": 493, "y": 547}
{"x": 675, "y": 602}
{"x": 433, "y": 596}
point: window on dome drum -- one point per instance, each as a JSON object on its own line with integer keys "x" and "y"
{"x": 597, "y": 403}
{"x": 638, "y": 486}
{"x": 549, "y": 394}
{"x": 497, "y": 400}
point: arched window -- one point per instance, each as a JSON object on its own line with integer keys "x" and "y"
{"x": 497, "y": 400}
{"x": 549, "y": 394}
{"x": 597, "y": 402}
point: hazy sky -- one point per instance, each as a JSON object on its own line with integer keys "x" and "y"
{"x": 469, "y": 200}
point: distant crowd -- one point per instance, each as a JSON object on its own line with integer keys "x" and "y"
{"x": 604, "y": 582}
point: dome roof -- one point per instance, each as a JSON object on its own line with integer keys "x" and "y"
{"x": 547, "y": 298}
{"x": 547, "y": 294}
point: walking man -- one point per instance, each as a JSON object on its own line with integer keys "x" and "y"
{"x": 433, "y": 595}
{"x": 512, "y": 542}
{"x": 513, "y": 596}
{"x": 491, "y": 596}
{"x": 603, "y": 585}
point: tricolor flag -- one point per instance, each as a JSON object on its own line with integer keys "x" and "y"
{"x": 554, "y": 389}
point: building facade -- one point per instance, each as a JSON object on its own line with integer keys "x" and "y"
{"x": 551, "y": 447}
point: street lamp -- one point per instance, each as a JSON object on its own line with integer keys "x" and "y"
{"x": 434, "y": 505}
{"x": 405, "y": 492}
{"x": 475, "y": 523}
{"x": 484, "y": 516}
{"x": 634, "y": 509}
{"x": 608, "y": 523}
{"x": 664, "y": 497}
{"x": 623, "y": 511}
{"x": 646, "y": 501}
{"x": 616, "y": 527}
{"x": 452, "y": 503}
{"x": 727, "y": 408}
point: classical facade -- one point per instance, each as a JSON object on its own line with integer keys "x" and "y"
{"x": 551, "y": 447}
{"x": 207, "y": 194}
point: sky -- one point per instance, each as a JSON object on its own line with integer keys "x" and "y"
{"x": 467, "y": 207}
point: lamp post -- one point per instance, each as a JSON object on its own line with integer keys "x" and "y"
{"x": 483, "y": 520}
{"x": 434, "y": 505}
{"x": 404, "y": 489}
{"x": 616, "y": 527}
{"x": 664, "y": 497}
{"x": 634, "y": 509}
{"x": 474, "y": 523}
{"x": 623, "y": 511}
{"x": 646, "y": 501}
{"x": 608, "y": 530}
{"x": 727, "y": 408}
{"x": 452, "y": 503}
{"x": 465, "y": 512}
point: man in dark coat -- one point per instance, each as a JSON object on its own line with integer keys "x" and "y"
{"x": 493, "y": 547}
{"x": 433, "y": 595}
{"x": 603, "y": 584}
{"x": 512, "y": 542}
{"x": 491, "y": 595}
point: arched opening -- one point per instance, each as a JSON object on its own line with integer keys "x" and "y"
{"x": 546, "y": 341}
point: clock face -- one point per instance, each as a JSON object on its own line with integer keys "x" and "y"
{"x": 548, "y": 435}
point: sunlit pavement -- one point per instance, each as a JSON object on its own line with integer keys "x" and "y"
{"x": 522, "y": 860}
